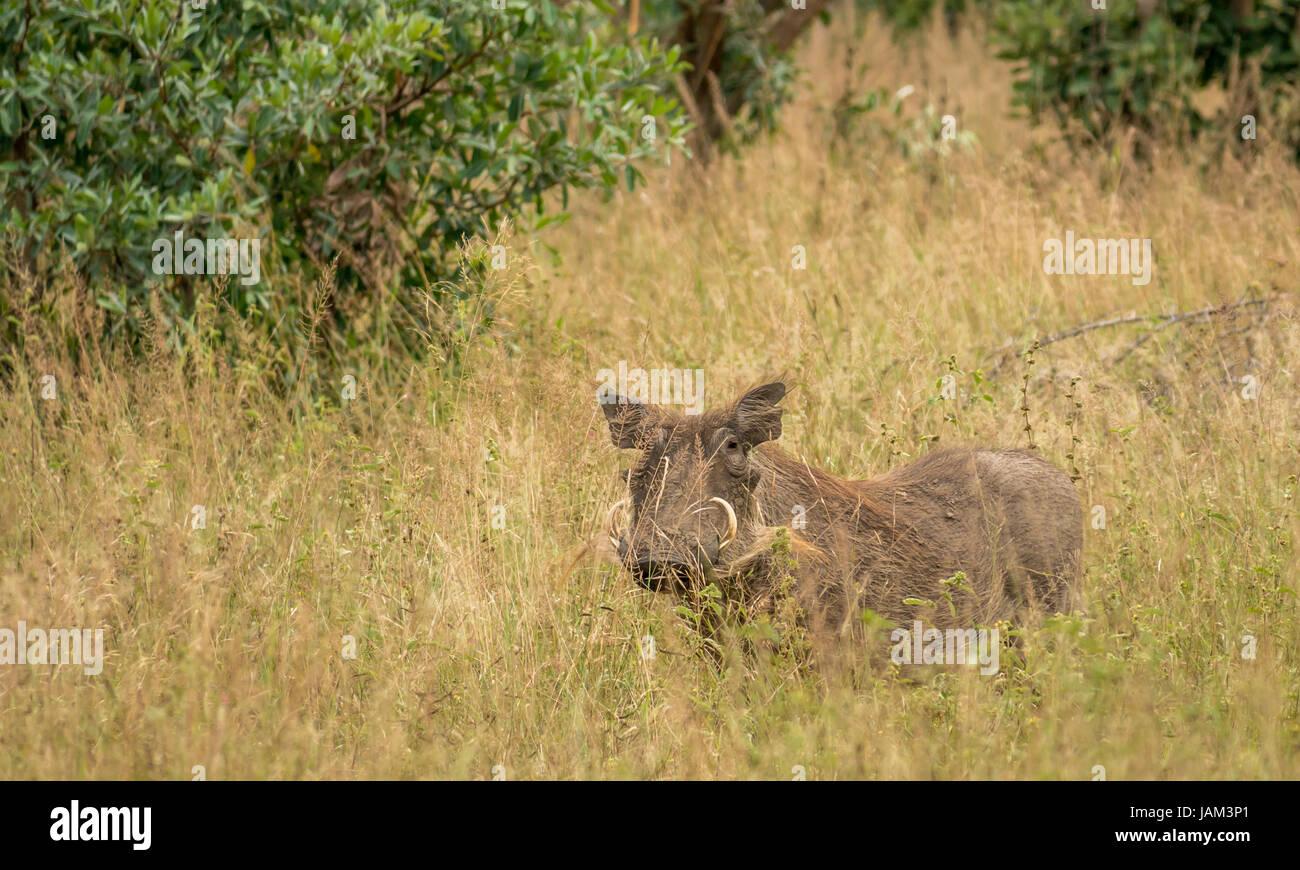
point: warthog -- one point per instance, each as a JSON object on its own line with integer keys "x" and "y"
{"x": 709, "y": 493}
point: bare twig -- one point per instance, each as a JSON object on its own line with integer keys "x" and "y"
{"x": 715, "y": 92}
{"x": 1202, "y": 314}
{"x": 688, "y": 100}
{"x": 1160, "y": 321}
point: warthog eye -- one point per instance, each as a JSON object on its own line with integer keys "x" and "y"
{"x": 734, "y": 453}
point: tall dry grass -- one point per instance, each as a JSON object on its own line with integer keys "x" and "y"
{"x": 476, "y": 648}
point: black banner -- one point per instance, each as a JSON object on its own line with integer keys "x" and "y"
{"x": 337, "y": 820}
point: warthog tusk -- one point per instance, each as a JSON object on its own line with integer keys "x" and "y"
{"x": 731, "y": 522}
{"x": 611, "y": 524}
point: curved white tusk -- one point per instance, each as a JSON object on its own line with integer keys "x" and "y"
{"x": 611, "y": 525}
{"x": 731, "y": 522}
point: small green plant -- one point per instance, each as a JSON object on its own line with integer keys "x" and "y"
{"x": 953, "y": 584}
{"x": 1076, "y": 407}
{"x": 788, "y": 617}
{"x": 1028, "y": 358}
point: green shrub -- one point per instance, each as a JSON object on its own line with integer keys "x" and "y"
{"x": 1140, "y": 64}
{"x": 378, "y": 132}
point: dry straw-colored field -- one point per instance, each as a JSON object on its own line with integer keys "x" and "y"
{"x": 475, "y": 648}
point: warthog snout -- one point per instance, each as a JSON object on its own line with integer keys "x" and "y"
{"x": 662, "y": 559}
{"x": 665, "y": 573}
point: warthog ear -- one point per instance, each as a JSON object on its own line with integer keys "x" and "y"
{"x": 757, "y": 417}
{"x": 626, "y": 419}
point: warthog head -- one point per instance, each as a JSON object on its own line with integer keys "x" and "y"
{"x": 691, "y": 490}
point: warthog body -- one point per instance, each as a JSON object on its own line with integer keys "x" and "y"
{"x": 709, "y": 493}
